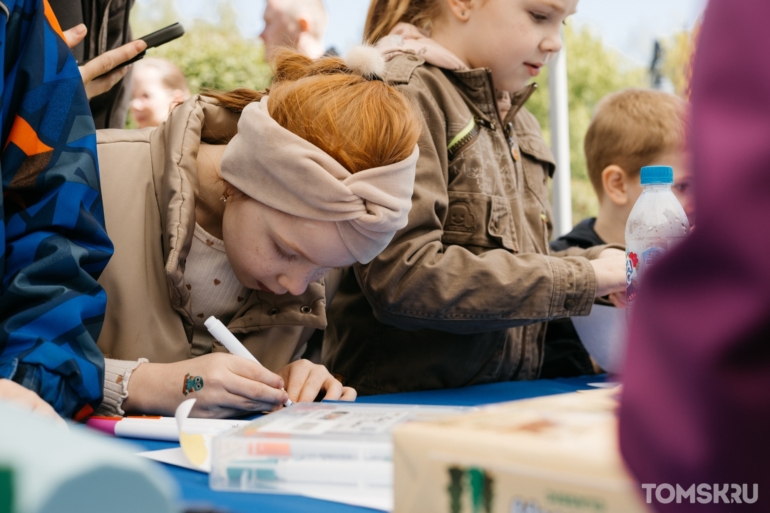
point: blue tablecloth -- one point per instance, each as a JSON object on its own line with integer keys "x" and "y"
{"x": 194, "y": 487}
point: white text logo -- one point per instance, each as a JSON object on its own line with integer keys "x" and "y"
{"x": 702, "y": 493}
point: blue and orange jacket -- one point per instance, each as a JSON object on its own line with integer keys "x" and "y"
{"x": 54, "y": 244}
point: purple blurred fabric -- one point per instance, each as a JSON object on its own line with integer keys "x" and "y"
{"x": 696, "y": 400}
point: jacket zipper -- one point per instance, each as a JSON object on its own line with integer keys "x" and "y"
{"x": 507, "y": 129}
{"x": 508, "y": 134}
{"x": 530, "y": 90}
{"x": 508, "y": 121}
{"x": 467, "y": 135}
{"x": 462, "y": 138}
{"x": 486, "y": 124}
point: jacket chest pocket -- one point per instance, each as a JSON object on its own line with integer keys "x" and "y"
{"x": 537, "y": 163}
{"x": 479, "y": 220}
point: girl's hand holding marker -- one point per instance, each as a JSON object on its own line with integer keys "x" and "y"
{"x": 305, "y": 380}
{"x": 225, "y": 386}
{"x": 220, "y": 332}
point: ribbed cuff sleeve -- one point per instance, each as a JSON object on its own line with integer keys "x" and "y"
{"x": 117, "y": 373}
{"x": 575, "y": 281}
{"x": 574, "y": 287}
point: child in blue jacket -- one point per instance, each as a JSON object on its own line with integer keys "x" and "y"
{"x": 54, "y": 245}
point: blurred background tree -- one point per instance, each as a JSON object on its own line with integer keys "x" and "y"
{"x": 677, "y": 63}
{"x": 212, "y": 54}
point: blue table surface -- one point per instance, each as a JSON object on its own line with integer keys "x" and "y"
{"x": 194, "y": 486}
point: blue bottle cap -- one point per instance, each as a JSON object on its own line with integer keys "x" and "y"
{"x": 657, "y": 175}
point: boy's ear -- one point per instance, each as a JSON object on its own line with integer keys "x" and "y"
{"x": 614, "y": 184}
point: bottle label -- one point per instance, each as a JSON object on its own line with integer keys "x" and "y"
{"x": 638, "y": 260}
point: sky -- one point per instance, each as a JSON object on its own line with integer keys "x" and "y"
{"x": 629, "y": 26}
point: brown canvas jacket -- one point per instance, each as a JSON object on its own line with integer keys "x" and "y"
{"x": 459, "y": 296}
{"x": 149, "y": 184}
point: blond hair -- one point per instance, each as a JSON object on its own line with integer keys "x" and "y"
{"x": 630, "y": 129}
{"x": 361, "y": 123}
{"x": 383, "y": 15}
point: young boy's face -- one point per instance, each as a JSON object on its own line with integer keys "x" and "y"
{"x": 682, "y": 188}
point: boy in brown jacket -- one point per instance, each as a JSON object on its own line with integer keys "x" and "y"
{"x": 460, "y": 295}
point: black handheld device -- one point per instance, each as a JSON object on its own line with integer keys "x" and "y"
{"x": 164, "y": 35}
{"x": 155, "y": 39}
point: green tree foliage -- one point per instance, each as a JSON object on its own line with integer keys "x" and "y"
{"x": 593, "y": 71}
{"x": 212, "y": 54}
{"x": 677, "y": 64}
{"x": 214, "y": 58}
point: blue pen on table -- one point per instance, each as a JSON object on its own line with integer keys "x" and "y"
{"x": 231, "y": 343}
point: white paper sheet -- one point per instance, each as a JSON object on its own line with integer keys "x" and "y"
{"x": 174, "y": 456}
{"x": 604, "y": 334}
{"x": 378, "y": 501}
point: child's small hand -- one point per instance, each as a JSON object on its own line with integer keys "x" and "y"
{"x": 619, "y": 299}
{"x": 28, "y": 400}
{"x": 610, "y": 271}
{"x": 305, "y": 381}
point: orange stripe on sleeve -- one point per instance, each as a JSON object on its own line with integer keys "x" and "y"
{"x": 51, "y": 17}
{"x": 25, "y": 137}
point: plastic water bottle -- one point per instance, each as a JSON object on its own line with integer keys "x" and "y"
{"x": 656, "y": 224}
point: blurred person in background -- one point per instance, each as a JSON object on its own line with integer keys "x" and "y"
{"x": 296, "y": 24}
{"x": 158, "y": 86}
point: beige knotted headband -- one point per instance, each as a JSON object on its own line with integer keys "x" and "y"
{"x": 280, "y": 169}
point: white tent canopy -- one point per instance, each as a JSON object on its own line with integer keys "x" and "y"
{"x": 559, "y": 99}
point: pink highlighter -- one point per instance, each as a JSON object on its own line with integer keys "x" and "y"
{"x": 150, "y": 428}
